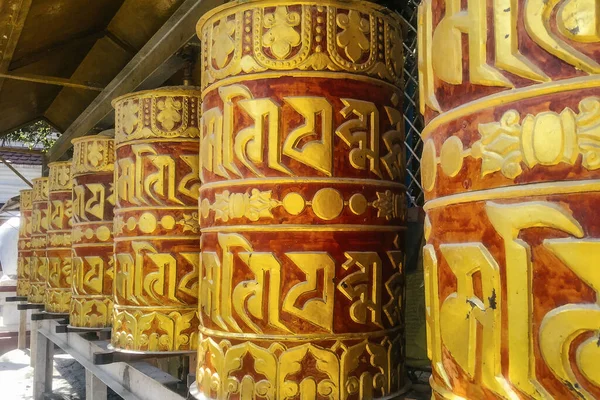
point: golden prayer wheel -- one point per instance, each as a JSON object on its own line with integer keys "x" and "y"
{"x": 156, "y": 224}
{"x": 58, "y": 247}
{"x": 302, "y": 203}
{"x": 510, "y": 170}
{"x": 24, "y": 243}
{"x": 93, "y": 203}
{"x": 38, "y": 261}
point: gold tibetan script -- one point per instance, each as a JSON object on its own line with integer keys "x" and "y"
{"x": 483, "y": 322}
{"x": 441, "y": 50}
{"x": 159, "y": 187}
{"x": 221, "y": 146}
{"x": 220, "y": 300}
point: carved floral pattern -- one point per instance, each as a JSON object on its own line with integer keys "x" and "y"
{"x": 223, "y": 45}
{"x": 281, "y": 36}
{"x": 352, "y": 38}
{"x": 170, "y": 112}
{"x": 241, "y": 39}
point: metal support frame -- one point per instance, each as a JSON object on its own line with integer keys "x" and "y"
{"x": 30, "y": 306}
{"x": 13, "y": 169}
{"x": 146, "y": 70}
{"x": 45, "y": 315}
{"x": 13, "y": 299}
{"x": 131, "y": 380}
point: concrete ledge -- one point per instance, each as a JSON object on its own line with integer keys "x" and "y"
{"x": 132, "y": 381}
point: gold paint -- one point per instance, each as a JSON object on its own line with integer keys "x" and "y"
{"x": 233, "y": 80}
{"x": 168, "y": 118}
{"x": 156, "y": 173}
{"x": 60, "y": 178}
{"x": 446, "y": 45}
{"x": 512, "y": 192}
{"x": 451, "y": 156}
{"x": 302, "y": 181}
{"x": 508, "y": 220}
{"x": 264, "y": 40}
{"x": 432, "y": 310}
{"x": 327, "y": 203}
{"x": 303, "y": 228}
{"x": 357, "y": 203}
{"x": 277, "y": 368}
{"x": 58, "y": 276}
{"x": 93, "y": 154}
{"x": 24, "y": 243}
{"x": 389, "y": 205}
{"x": 317, "y": 153}
{"x": 497, "y": 99}
{"x": 565, "y": 323}
{"x": 427, "y": 96}
{"x": 282, "y": 40}
{"x": 428, "y": 166}
{"x": 299, "y": 337}
{"x": 578, "y": 20}
{"x": 294, "y": 203}
{"x": 26, "y": 198}
{"x": 318, "y": 309}
{"x": 220, "y": 149}
{"x": 546, "y": 139}
{"x": 537, "y": 15}
{"x": 254, "y": 206}
{"x": 366, "y": 307}
{"x": 38, "y": 263}
{"x": 130, "y": 327}
{"x": 460, "y": 335}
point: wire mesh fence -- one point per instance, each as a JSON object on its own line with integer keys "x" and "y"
{"x": 413, "y": 120}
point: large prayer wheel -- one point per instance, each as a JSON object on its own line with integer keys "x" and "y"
{"x": 302, "y": 202}
{"x": 510, "y": 169}
{"x": 24, "y": 243}
{"x": 93, "y": 203}
{"x": 39, "y": 225}
{"x": 156, "y": 224}
{"x": 58, "y": 248}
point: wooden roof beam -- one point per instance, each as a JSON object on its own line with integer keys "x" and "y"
{"x": 145, "y": 70}
{"x": 51, "y": 80}
{"x": 20, "y": 9}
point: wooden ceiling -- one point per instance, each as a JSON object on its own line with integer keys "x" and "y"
{"x": 57, "y": 55}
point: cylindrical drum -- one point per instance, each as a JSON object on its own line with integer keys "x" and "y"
{"x": 156, "y": 224}
{"x": 24, "y": 243}
{"x": 510, "y": 170}
{"x": 38, "y": 262}
{"x": 93, "y": 203}
{"x": 58, "y": 249}
{"x": 302, "y": 203}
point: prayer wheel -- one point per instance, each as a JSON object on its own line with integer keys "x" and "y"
{"x": 510, "y": 167}
{"x": 93, "y": 203}
{"x": 156, "y": 224}
{"x": 38, "y": 261}
{"x": 24, "y": 243}
{"x": 302, "y": 202}
{"x": 58, "y": 248}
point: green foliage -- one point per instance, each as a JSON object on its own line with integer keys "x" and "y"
{"x": 37, "y": 134}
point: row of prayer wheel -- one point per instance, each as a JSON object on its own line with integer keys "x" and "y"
{"x": 258, "y": 219}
